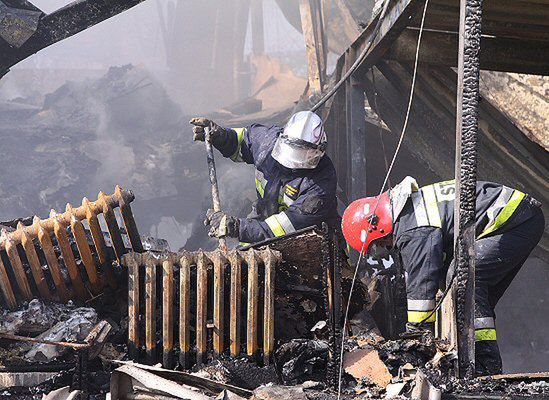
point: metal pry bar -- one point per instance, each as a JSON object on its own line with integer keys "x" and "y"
{"x": 213, "y": 179}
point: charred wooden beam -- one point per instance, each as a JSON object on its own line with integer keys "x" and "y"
{"x": 498, "y": 54}
{"x": 61, "y": 24}
{"x": 258, "y": 34}
{"x": 396, "y": 20}
{"x": 356, "y": 140}
{"x": 312, "y": 23}
{"x": 466, "y": 180}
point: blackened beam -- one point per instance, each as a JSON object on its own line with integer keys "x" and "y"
{"x": 61, "y": 24}
{"x": 395, "y": 21}
{"x": 23, "y": 4}
{"x": 498, "y": 54}
{"x": 397, "y": 17}
{"x": 466, "y": 179}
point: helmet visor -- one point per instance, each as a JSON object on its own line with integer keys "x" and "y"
{"x": 296, "y": 153}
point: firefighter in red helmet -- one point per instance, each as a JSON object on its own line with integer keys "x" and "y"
{"x": 418, "y": 224}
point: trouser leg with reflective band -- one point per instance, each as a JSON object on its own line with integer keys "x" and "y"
{"x": 421, "y": 252}
{"x": 498, "y": 260}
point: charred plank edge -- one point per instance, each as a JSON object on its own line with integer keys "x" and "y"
{"x": 190, "y": 379}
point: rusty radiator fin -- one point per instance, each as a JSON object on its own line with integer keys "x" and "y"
{"x": 201, "y": 306}
{"x": 184, "y": 308}
{"x": 219, "y": 261}
{"x": 202, "y": 276}
{"x": 253, "y": 298}
{"x": 167, "y": 313}
{"x": 33, "y": 245}
{"x": 269, "y": 306}
{"x": 236, "y": 301}
{"x": 150, "y": 310}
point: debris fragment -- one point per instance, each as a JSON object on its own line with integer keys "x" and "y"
{"x": 275, "y": 392}
{"x": 129, "y": 380}
{"x": 423, "y": 389}
{"x": 366, "y": 364}
{"x": 75, "y": 328}
{"x": 36, "y": 317}
{"x": 394, "y": 389}
{"x": 24, "y": 379}
{"x": 299, "y": 359}
{"x": 228, "y": 395}
{"x": 64, "y": 393}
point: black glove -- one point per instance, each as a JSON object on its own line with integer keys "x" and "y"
{"x": 221, "y": 224}
{"x": 201, "y": 123}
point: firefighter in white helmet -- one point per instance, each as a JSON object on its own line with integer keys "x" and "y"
{"x": 295, "y": 179}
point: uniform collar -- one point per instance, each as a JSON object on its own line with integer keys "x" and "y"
{"x": 400, "y": 194}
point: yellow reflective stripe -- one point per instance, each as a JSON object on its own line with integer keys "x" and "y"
{"x": 275, "y": 226}
{"x": 419, "y": 316}
{"x": 259, "y": 187}
{"x": 485, "y": 334}
{"x": 239, "y": 136}
{"x": 505, "y": 213}
{"x": 431, "y": 205}
{"x": 243, "y": 244}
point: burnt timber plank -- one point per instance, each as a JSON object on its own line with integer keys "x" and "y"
{"x": 502, "y": 19}
{"x": 498, "y": 54}
{"x": 315, "y": 42}
{"x": 395, "y": 21}
{"x": 61, "y": 24}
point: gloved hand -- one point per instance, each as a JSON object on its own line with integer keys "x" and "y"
{"x": 198, "y": 129}
{"x": 221, "y": 224}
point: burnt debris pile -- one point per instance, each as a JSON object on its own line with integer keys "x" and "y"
{"x": 262, "y": 322}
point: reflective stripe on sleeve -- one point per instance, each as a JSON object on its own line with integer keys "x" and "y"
{"x": 280, "y": 224}
{"x": 259, "y": 188}
{"x": 485, "y": 334}
{"x": 420, "y": 316}
{"x": 237, "y": 156}
{"x": 421, "y": 305}
{"x": 260, "y": 182}
{"x": 502, "y": 209}
{"x": 419, "y": 209}
{"x": 431, "y": 205}
{"x": 287, "y": 200}
{"x": 484, "y": 322}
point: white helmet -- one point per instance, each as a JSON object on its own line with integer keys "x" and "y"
{"x": 303, "y": 142}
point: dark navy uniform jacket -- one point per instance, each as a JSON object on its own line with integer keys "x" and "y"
{"x": 424, "y": 234}
{"x": 288, "y": 200}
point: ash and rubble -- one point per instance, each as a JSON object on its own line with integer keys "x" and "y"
{"x": 373, "y": 367}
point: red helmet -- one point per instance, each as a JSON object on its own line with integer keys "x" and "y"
{"x": 361, "y": 226}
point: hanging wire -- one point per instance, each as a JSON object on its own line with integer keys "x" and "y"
{"x": 395, "y": 155}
